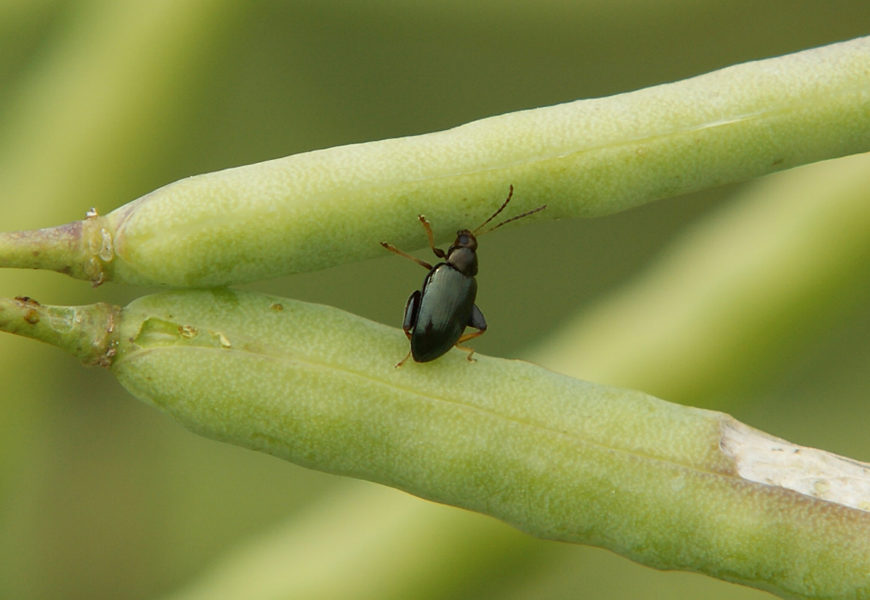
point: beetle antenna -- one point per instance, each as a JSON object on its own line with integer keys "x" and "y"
{"x": 495, "y": 214}
{"x": 501, "y": 208}
{"x": 525, "y": 214}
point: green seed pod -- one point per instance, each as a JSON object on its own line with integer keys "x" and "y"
{"x": 583, "y": 158}
{"x": 667, "y": 485}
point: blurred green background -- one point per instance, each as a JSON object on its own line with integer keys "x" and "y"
{"x": 103, "y": 101}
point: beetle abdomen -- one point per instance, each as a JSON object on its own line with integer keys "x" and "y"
{"x": 445, "y": 309}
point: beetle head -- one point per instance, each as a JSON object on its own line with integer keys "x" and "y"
{"x": 464, "y": 239}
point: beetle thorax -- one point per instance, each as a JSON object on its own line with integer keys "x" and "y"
{"x": 462, "y": 254}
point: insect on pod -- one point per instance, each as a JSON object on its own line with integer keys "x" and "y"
{"x": 436, "y": 315}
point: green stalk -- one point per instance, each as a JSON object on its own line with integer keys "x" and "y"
{"x": 87, "y": 332}
{"x": 78, "y": 249}
{"x": 666, "y": 485}
{"x": 584, "y": 158}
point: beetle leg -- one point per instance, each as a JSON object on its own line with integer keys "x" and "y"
{"x": 465, "y": 338}
{"x": 401, "y": 362}
{"x": 477, "y": 321}
{"x": 392, "y": 248}
{"x": 412, "y": 307}
{"x": 438, "y": 251}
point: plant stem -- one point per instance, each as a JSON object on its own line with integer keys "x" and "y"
{"x": 87, "y": 332}
{"x": 81, "y": 249}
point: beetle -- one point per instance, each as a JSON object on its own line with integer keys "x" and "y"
{"x": 436, "y": 315}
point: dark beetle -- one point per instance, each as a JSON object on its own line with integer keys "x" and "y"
{"x": 437, "y": 315}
